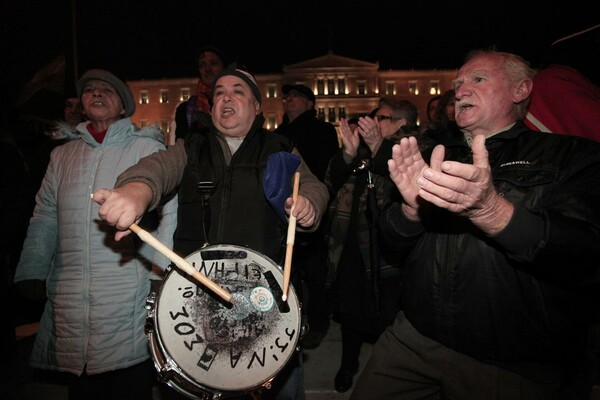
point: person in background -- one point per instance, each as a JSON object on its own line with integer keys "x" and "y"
{"x": 73, "y": 115}
{"x": 92, "y": 328}
{"x": 73, "y": 111}
{"x": 432, "y": 107}
{"x": 363, "y": 275}
{"x": 444, "y": 128}
{"x": 502, "y": 271}
{"x": 194, "y": 113}
{"x": 317, "y": 141}
{"x": 232, "y": 154}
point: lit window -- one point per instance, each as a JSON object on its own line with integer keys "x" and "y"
{"x": 271, "y": 91}
{"x": 361, "y": 87}
{"x": 320, "y": 86}
{"x": 342, "y": 112}
{"x": 330, "y": 86}
{"x": 390, "y": 88}
{"x": 435, "y": 88}
{"x": 164, "y": 96}
{"x": 164, "y": 126}
{"x": 413, "y": 88}
{"x": 321, "y": 113}
{"x": 271, "y": 122}
{"x": 185, "y": 94}
{"x": 331, "y": 114}
{"x": 342, "y": 86}
{"x": 144, "y": 97}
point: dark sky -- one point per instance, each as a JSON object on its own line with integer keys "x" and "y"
{"x": 145, "y": 39}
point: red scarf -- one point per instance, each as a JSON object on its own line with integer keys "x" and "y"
{"x": 203, "y": 94}
{"x": 99, "y": 136}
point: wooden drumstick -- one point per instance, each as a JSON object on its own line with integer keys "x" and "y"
{"x": 291, "y": 236}
{"x": 180, "y": 262}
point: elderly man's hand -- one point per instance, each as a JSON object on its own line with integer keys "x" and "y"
{"x": 406, "y": 166}
{"x": 123, "y": 206}
{"x": 467, "y": 189}
{"x": 304, "y": 211}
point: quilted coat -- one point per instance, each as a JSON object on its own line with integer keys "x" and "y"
{"x": 96, "y": 287}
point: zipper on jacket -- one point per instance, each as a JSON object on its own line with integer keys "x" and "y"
{"x": 86, "y": 257}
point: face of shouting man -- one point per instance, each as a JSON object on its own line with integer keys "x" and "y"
{"x": 234, "y": 106}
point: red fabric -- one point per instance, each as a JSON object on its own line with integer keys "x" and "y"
{"x": 99, "y": 136}
{"x": 203, "y": 93}
{"x": 564, "y": 101}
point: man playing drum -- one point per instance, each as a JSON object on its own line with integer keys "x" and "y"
{"x": 218, "y": 176}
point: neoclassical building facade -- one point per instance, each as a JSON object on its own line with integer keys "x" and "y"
{"x": 344, "y": 87}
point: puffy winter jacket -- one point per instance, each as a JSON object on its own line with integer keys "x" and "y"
{"x": 517, "y": 299}
{"x": 96, "y": 287}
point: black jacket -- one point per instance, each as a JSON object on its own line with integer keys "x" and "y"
{"x": 316, "y": 140}
{"x": 519, "y": 299}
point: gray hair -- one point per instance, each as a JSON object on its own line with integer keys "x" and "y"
{"x": 516, "y": 69}
{"x": 402, "y": 109}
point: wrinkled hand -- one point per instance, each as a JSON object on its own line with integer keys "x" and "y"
{"x": 350, "y": 140}
{"x": 123, "y": 206}
{"x": 369, "y": 129}
{"x": 406, "y": 166}
{"x": 304, "y": 211}
{"x": 466, "y": 189}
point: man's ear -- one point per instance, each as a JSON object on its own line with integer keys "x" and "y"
{"x": 523, "y": 90}
{"x": 257, "y": 106}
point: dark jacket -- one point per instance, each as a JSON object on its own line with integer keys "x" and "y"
{"x": 517, "y": 299}
{"x": 316, "y": 140}
{"x": 238, "y": 210}
{"x": 189, "y": 119}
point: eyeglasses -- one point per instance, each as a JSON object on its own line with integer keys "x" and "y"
{"x": 384, "y": 117}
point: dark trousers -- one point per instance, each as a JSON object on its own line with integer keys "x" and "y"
{"x": 133, "y": 383}
{"x": 309, "y": 259}
{"x": 407, "y": 365}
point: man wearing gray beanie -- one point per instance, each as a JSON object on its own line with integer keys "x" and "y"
{"x": 218, "y": 174}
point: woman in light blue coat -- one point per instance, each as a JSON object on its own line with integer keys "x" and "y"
{"x": 92, "y": 327}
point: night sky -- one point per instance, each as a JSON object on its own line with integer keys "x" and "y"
{"x": 140, "y": 39}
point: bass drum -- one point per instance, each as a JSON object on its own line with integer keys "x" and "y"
{"x": 206, "y": 348}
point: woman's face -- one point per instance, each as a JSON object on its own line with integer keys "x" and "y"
{"x": 101, "y": 102}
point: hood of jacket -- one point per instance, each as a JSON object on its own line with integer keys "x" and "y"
{"x": 116, "y": 132}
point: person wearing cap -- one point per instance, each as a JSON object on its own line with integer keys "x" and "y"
{"x": 232, "y": 208}
{"x": 194, "y": 113}
{"x": 317, "y": 141}
{"x": 91, "y": 333}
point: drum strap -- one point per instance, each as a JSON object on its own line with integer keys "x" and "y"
{"x": 206, "y": 189}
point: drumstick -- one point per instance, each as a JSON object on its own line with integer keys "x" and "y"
{"x": 291, "y": 235}
{"x": 180, "y": 262}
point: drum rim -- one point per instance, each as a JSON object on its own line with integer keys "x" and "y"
{"x": 174, "y": 369}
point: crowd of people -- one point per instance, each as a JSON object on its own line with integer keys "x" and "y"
{"x": 464, "y": 250}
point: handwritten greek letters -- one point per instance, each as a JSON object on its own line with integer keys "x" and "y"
{"x": 231, "y": 347}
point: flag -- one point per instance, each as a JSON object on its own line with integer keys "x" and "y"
{"x": 51, "y": 77}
